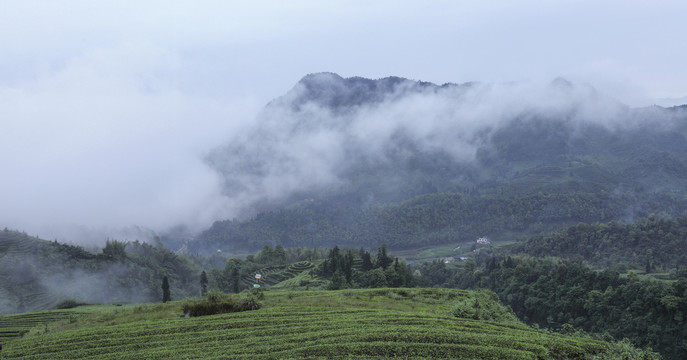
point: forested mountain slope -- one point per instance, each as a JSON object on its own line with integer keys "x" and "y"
{"x": 358, "y": 161}
{"x": 649, "y": 244}
{"x": 36, "y": 274}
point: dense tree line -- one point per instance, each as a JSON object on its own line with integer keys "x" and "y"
{"x": 424, "y": 220}
{"x": 566, "y": 295}
{"x": 349, "y": 268}
{"x": 341, "y": 268}
{"x": 650, "y": 244}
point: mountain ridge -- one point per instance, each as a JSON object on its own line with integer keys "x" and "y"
{"x": 341, "y": 146}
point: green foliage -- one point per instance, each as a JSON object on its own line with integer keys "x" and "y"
{"x": 420, "y": 221}
{"x": 650, "y": 243}
{"x": 348, "y": 268}
{"x": 218, "y": 303}
{"x": 624, "y": 350}
{"x": 115, "y": 250}
{"x": 337, "y": 282}
{"x": 483, "y": 305}
{"x": 383, "y": 259}
{"x": 559, "y": 294}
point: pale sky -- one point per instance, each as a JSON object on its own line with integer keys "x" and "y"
{"x": 108, "y": 107}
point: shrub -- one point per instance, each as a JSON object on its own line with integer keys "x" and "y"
{"x": 219, "y": 303}
{"x": 68, "y": 304}
{"x": 482, "y": 305}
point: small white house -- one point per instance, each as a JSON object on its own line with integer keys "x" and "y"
{"x": 484, "y": 241}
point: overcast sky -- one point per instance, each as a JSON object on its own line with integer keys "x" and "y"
{"x": 108, "y": 107}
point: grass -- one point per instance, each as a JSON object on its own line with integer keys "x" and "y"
{"x": 362, "y": 323}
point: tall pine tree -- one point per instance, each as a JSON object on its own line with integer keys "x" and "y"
{"x": 165, "y": 289}
{"x": 203, "y": 283}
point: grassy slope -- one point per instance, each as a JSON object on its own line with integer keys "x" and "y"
{"x": 408, "y": 323}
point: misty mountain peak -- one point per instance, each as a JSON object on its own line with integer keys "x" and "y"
{"x": 562, "y": 83}
{"x": 332, "y": 91}
{"x": 330, "y": 132}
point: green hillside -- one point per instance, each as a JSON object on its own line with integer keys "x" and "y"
{"x": 374, "y": 323}
{"x": 36, "y": 274}
{"x": 523, "y": 172}
{"x": 649, "y": 244}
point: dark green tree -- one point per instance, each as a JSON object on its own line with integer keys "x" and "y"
{"x": 383, "y": 259}
{"x": 347, "y": 266}
{"x": 232, "y": 271}
{"x": 203, "y": 283}
{"x": 266, "y": 255}
{"x": 279, "y": 254}
{"x": 165, "y": 289}
{"x": 367, "y": 261}
{"x": 338, "y": 282}
{"x": 235, "y": 279}
{"x": 115, "y": 250}
{"x": 378, "y": 278}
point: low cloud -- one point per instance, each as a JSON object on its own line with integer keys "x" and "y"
{"x": 309, "y": 138}
{"x": 109, "y": 140}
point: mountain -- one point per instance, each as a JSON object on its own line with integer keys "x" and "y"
{"x": 358, "y": 162}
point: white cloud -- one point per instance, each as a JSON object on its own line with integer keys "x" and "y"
{"x": 111, "y": 140}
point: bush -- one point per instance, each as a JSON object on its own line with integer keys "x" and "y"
{"x": 624, "y": 350}
{"x": 482, "y": 305}
{"x": 218, "y": 303}
{"x": 68, "y": 304}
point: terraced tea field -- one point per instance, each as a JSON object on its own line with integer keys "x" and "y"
{"x": 13, "y": 326}
{"x": 273, "y": 275}
{"x": 374, "y": 323}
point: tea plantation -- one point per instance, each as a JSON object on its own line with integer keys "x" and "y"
{"x": 365, "y": 323}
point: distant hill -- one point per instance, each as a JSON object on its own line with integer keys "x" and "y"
{"x": 354, "y": 161}
{"x": 36, "y": 274}
{"x": 651, "y": 244}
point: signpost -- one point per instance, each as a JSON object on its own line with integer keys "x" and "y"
{"x": 257, "y": 278}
